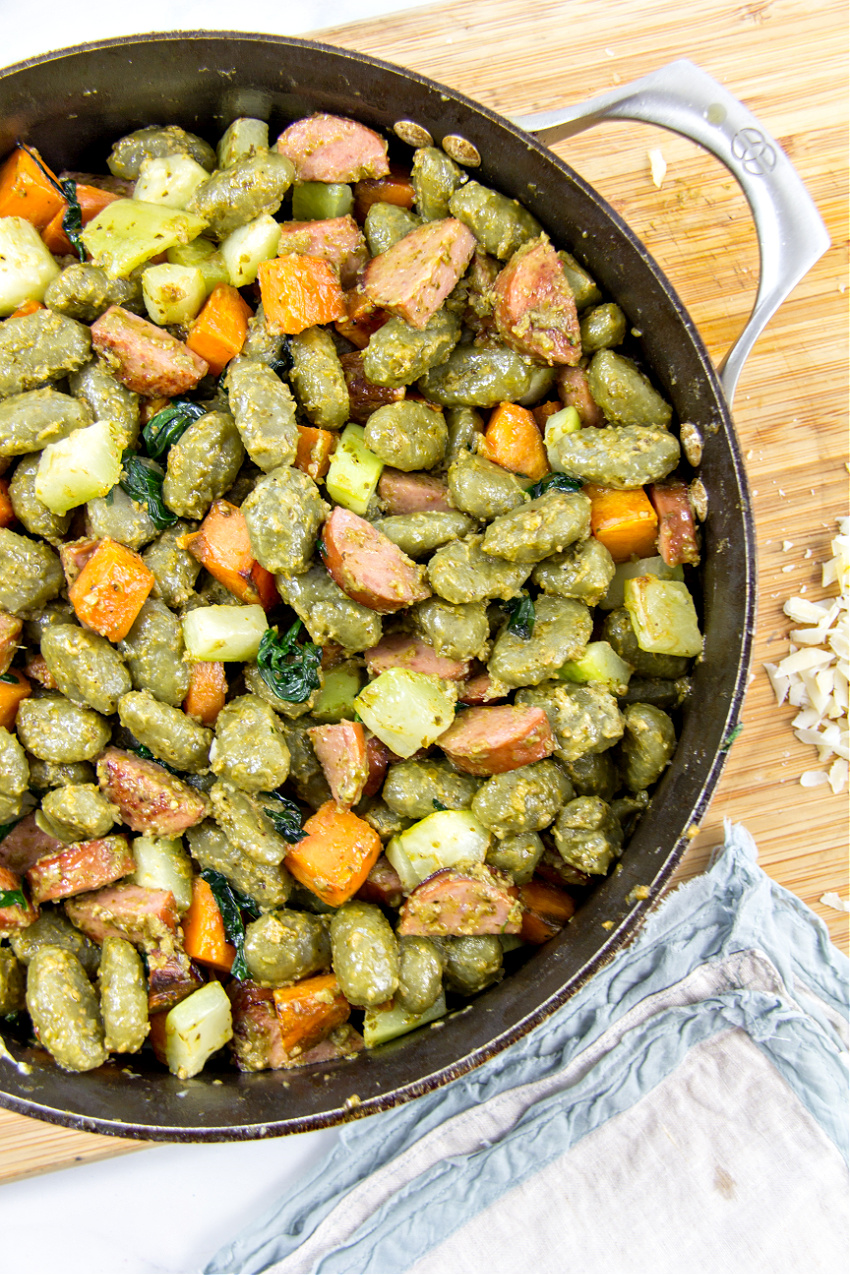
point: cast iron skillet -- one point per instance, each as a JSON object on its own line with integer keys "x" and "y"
{"x": 72, "y": 105}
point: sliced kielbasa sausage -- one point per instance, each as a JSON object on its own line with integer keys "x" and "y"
{"x": 490, "y": 740}
{"x": 535, "y": 311}
{"x": 458, "y": 902}
{"x": 364, "y": 397}
{"x": 149, "y": 798}
{"x": 368, "y": 567}
{"x": 25, "y": 844}
{"x": 331, "y": 148}
{"x": 146, "y": 358}
{"x": 677, "y": 532}
{"x": 403, "y": 650}
{"x": 574, "y": 391}
{"x": 78, "y": 868}
{"x": 337, "y": 240}
{"x": 413, "y": 278}
{"x": 341, "y": 750}
{"x": 147, "y": 918}
{"x": 413, "y": 493}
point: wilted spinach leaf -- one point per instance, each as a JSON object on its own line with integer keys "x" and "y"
{"x": 290, "y": 670}
{"x": 282, "y": 365}
{"x": 142, "y": 481}
{"x": 164, "y": 429}
{"x": 521, "y": 615}
{"x": 556, "y": 481}
{"x": 142, "y": 750}
{"x": 285, "y": 814}
{"x": 12, "y": 899}
{"x": 232, "y": 903}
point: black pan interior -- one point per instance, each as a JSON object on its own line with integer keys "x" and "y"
{"x": 72, "y": 105}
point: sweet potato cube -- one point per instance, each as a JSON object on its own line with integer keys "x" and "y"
{"x": 7, "y": 511}
{"x": 11, "y": 694}
{"x": 299, "y": 291}
{"x": 221, "y": 544}
{"x": 308, "y": 1011}
{"x": 513, "y": 440}
{"x": 315, "y": 448}
{"x": 337, "y": 854}
{"x": 111, "y": 589}
{"x": 624, "y": 521}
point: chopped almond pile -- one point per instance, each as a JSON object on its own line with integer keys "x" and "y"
{"x": 814, "y": 675}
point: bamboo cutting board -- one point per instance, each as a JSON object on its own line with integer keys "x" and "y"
{"x": 788, "y": 63}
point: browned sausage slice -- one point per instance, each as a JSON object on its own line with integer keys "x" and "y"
{"x": 364, "y": 397}
{"x": 331, "y": 148}
{"x": 172, "y": 976}
{"x": 546, "y": 910}
{"x": 15, "y": 916}
{"x": 257, "y": 1039}
{"x": 149, "y": 797}
{"x": 337, "y": 240}
{"x": 368, "y": 566}
{"x": 341, "y": 750}
{"x": 146, "y": 918}
{"x": 413, "y": 493}
{"x": 490, "y": 740}
{"x": 143, "y": 357}
{"x": 403, "y": 650}
{"x": 378, "y": 758}
{"x": 26, "y": 843}
{"x": 458, "y": 902}
{"x": 340, "y": 1043}
{"x": 677, "y": 532}
{"x": 535, "y": 311}
{"x": 413, "y": 278}
{"x": 78, "y": 868}
{"x": 74, "y": 554}
{"x": 482, "y": 689}
{"x": 574, "y": 391}
{"x": 383, "y": 885}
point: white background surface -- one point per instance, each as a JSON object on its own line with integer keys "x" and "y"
{"x": 168, "y": 1208}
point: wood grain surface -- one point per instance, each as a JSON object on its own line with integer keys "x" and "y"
{"x": 788, "y": 63}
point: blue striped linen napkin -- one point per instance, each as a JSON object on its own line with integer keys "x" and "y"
{"x": 686, "y": 1111}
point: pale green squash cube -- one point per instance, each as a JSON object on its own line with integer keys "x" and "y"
{"x": 26, "y": 265}
{"x": 352, "y": 478}
{"x": 382, "y": 1024}
{"x": 171, "y": 180}
{"x": 128, "y": 232}
{"x": 173, "y": 294}
{"x": 663, "y": 616}
{"x": 196, "y": 1029}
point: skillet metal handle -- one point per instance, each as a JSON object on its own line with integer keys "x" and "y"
{"x": 683, "y": 98}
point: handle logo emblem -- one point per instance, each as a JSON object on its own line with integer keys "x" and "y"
{"x": 754, "y": 151}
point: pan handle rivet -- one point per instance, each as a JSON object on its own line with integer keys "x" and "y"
{"x": 461, "y": 150}
{"x": 412, "y": 133}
